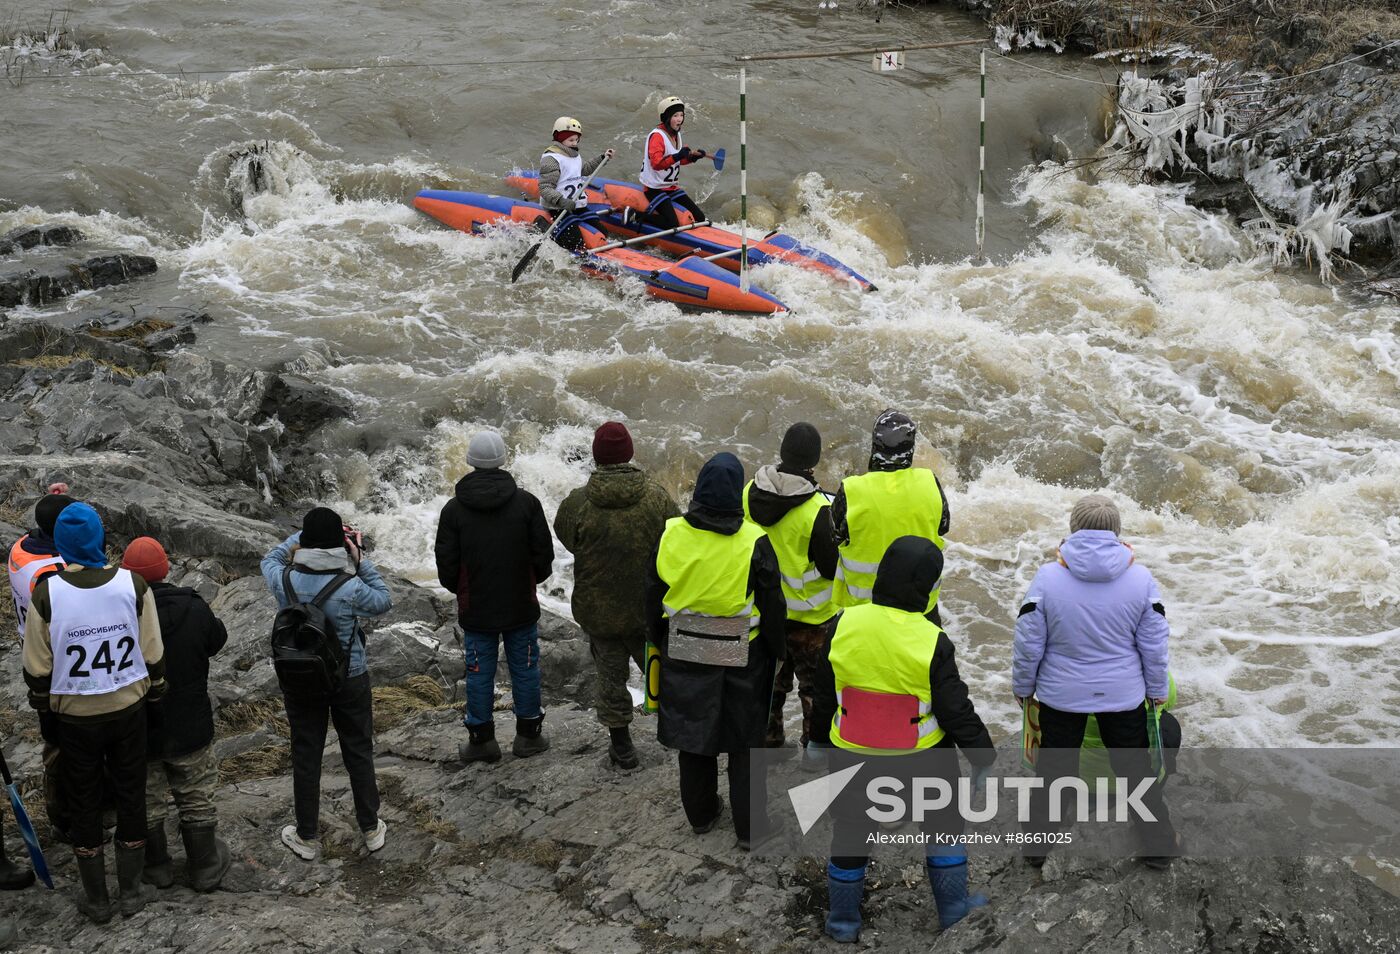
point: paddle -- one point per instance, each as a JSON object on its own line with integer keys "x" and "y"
{"x": 529, "y": 256}
{"x": 26, "y": 827}
{"x": 735, "y": 251}
{"x": 718, "y": 157}
{"x": 620, "y": 243}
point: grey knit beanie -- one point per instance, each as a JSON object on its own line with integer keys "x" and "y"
{"x": 486, "y": 451}
{"x": 1095, "y": 512}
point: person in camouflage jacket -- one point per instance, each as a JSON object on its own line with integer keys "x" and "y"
{"x": 612, "y": 526}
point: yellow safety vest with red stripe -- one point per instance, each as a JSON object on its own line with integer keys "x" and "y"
{"x": 707, "y": 573}
{"x": 807, "y": 592}
{"x": 881, "y": 507}
{"x": 881, "y": 657}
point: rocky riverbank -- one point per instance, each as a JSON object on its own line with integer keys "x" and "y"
{"x": 1282, "y": 112}
{"x": 559, "y": 853}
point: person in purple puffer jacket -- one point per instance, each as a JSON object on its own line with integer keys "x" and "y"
{"x": 1091, "y": 639}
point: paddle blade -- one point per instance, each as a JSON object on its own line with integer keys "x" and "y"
{"x": 525, "y": 261}
{"x": 31, "y": 840}
{"x": 719, "y": 160}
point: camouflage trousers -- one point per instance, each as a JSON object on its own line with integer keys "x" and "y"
{"x": 610, "y": 656}
{"x": 804, "y": 650}
{"x": 191, "y": 779}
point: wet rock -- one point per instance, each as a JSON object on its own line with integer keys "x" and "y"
{"x": 150, "y": 329}
{"x": 1232, "y": 196}
{"x": 41, "y": 286}
{"x": 405, "y": 642}
{"x": 172, "y": 444}
{"x": 302, "y": 406}
{"x": 17, "y": 240}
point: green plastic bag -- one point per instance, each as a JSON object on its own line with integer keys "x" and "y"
{"x": 1154, "y": 740}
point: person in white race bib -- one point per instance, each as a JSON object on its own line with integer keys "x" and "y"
{"x": 93, "y": 656}
{"x": 563, "y": 175}
{"x": 662, "y": 158}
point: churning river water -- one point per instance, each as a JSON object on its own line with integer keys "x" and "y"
{"x": 1246, "y": 419}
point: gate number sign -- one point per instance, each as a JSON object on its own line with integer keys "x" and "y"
{"x": 885, "y": 62}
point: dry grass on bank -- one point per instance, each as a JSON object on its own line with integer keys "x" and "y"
{"x": 394, "y": 704}
{"x": 268, "y": 761}
{"x": 239, "y": 718}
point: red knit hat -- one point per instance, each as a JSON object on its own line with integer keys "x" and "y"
{"x": 612, "y": 444}
{"x": 146, "y": 556}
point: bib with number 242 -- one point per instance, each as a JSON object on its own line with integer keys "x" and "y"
{"x": 95, "y": 635}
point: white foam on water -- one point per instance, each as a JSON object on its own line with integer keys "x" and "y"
{"x": 1244, "y": 419}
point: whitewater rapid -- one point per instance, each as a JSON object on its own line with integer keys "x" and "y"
{"x": 1245, "y": 419}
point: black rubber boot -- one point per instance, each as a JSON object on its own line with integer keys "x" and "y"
{"x": 13, "y": 877}
{"x": 132, "y": 895}
{"x": 483, "y": 746}
{"x": 206, "y": 857}
{"x": 94, "y": 903}
{"x": 159, "y": 870}
{"x": 621, "y": 750}
{"x": 529, "y": 737}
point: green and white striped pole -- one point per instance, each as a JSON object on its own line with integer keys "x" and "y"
{"x": 743, "y": 181}
{"x": 982, "y": 162}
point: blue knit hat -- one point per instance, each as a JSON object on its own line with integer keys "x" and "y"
{"x": 79, "y": 536}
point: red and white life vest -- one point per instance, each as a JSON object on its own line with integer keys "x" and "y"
{"x": 96, "y": 636}
{"x": 654, "y": 178}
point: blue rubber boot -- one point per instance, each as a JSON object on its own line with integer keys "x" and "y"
{"x": 947, "y": 875}
{"x": 845, "y": 887}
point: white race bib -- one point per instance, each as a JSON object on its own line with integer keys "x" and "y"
{"x": 661, "y": 178}
{"x": 96, "y": 637}
{"x": 571, "y": 180}
{"x": 22, "y": 583}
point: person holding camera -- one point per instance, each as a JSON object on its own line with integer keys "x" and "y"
{"x": 311, "y": 561}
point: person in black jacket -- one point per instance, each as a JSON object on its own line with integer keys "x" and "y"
{"x": 180, "y": 729}
{"x": 493, "y": 547}
{"x": 706, "y": 709}
{"x": 873, "y": 646}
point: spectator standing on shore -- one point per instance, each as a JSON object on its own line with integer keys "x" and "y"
{"x": 786, "y": 502}
{"x": 612, "y": 526}
{"x": 1091, "y": 639}
{"x": 33, "y": 557}
{"x": 892, "y": 499}
{"x": 93, "y": 656}
{"x": 297, "y": 571}
{"x": 493, "y": 548}
{"x": 180, "y": 729}
{"x": 718, "y": 614}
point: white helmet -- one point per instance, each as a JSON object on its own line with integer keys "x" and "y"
{"x": 568, "y": 124}
{"x": 668, "y": 104}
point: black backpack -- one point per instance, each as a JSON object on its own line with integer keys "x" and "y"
{"x": 306, "y": 650}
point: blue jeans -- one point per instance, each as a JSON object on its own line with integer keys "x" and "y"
{"x": 523, "y": 657}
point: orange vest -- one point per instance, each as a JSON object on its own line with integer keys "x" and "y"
{"x": 26, "y": 570}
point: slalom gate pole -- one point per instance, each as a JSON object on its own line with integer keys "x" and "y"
{"x": 982, "y": 162}
{"x": 743, "y": 181}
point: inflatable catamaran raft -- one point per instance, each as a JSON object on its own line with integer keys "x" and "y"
{"x": 704, "y": 277}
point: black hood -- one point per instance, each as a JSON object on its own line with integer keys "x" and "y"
{"x": 718, "y": 501}
{"x": 485, "y": 489}
{"x": 908, "y": 573}
{"x": 776, "y": 492}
